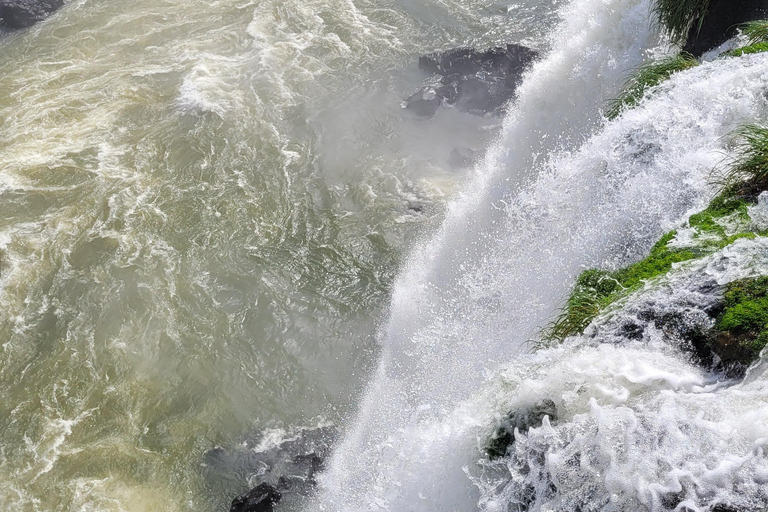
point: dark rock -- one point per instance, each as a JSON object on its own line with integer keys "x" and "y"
{"x": 25, "y": 13}
{"x": 472, "y": 81}
{"x": 468, "y": 61}
{"x": 721, "y": 22}
{"x": 259, "y": 499}
{"x": 461, "y": 158}
{"x": 723, "y": 507}
{"x": 289, "y": 467}
{"x": 521, "y": 419}
{"x": 424, "y": 102}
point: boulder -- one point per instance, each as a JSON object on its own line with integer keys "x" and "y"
{"x": 25, "y": 13}
{"x": 721, "y": 22}
{"x": 472, "y": 81}
{"x": 259, "y": 499}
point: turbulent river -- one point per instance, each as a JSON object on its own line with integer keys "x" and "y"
{"x": 217, "y": 220}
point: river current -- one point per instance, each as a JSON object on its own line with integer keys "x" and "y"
{"x": 204, "y": 205}
{"x": 217, "y": 221}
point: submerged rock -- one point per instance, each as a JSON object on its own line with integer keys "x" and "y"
{"x": 18, "y": 14}
{"x": 721, "y": 23}
{"x": 278, "y": 466}
{"x": 472, "y": 81}
{"x": 259, "y": 499}
{"x": 522, "y": 420}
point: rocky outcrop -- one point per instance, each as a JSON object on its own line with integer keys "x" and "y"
{"x": 472, "y": 81}
{"x": 721, "y": 23}
{"x": 18, "y": 14}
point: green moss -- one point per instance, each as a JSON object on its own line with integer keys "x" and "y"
{"x": 597, "y": 289}
{"x": 749, "y": 49}
{"x": 745, "y": 317}
{"x": 676, "y": 17}
{"x": 645, "y": 77}
{"x": 657, "y": 263}
{"x": 725, "y": 204}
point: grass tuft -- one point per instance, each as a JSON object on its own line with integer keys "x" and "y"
{"x": 757, "y": 38}
{"x": 748, "y": 50}
{"x": 647, "y": 76}
{"x": 756, "y": 31}
{"x": 676, "y": 17}
{"x": 747, "y": 174}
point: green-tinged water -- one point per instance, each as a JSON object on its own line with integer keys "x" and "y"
{"x": 202, "y": 208}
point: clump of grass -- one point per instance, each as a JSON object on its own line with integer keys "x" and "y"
{"x": 597, "y": 289}
{"x": 757, "y": 38}
{"x": 756, "y": 31}
{"x": 747, "y": 174}
{"x": 676, "y": 17}
{"x": 749, "y": 49}
{"x": 647, "y": 76}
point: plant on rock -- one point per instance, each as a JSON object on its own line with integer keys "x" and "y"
{"x": 757, "y": 38}
{"x": 645, "y": 77}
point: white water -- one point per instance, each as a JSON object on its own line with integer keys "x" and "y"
{"x": 470, "y": 299}
{"x": 639, "y": 426}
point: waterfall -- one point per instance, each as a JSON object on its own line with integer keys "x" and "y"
{"x": 558, "y": 192}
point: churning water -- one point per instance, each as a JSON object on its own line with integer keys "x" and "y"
{"x": 207, "y": 211}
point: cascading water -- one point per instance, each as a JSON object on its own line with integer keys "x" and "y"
{"x": 469, "y": 300}
{"x": 204, "y": 208}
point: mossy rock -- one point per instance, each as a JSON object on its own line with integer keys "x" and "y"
{"x": 596, "y": 289}
{"x": 739, "y": 332}
{"x": 743, "y": 325}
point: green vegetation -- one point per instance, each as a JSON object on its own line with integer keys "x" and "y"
{"x": 676, "y": 17}
{"x": 746, "y": 50}
{"x": 757, "y": 38}
{"x": 747, "y": 173}
{"x": 645, "y": 77}
{"x": 743, "y": 325}
{"x": 597, "y": 289}
{"x": 745, "y": 178}
{"x": 756, "y": 31}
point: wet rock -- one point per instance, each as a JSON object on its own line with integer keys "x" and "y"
{"x": 521, "y": 419}
{"x": 724, "y": 507}
{"x": 472, "y": 81}
{"x": 18, "y": 14}
{"x": 721, "y": 23}
{"x": 424, "y": 102}
{"x": 259, "y": 499}
{"x": 287, "y": 466}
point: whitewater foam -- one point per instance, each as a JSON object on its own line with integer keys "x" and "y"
{"x": 470, "y": 299}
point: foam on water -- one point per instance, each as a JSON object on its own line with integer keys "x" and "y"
{"x": 194, "y": 233}
{"x": 639, "y": 426}
{"x": 470, "y": 299}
